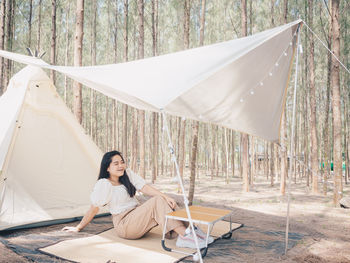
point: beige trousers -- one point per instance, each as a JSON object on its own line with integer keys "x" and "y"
{"x": 136, "y": 222}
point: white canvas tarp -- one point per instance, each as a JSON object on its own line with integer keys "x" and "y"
{"x": 239, "y": 84}
{"x": 49, "y": 165}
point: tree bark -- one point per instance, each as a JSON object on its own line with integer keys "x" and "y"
{"x": 233, "y": 135}
{"x": 141, "y": 41}
{"x": 183, "y": 121}
{"x": 154, "y": 27}
{"x": 272, "y": 164}
{"x": 155, "y": 147}
{"x": 201, "y": 31}
{"x": 66, "y": 57}
{"x": 78, "y": 52}
{"x": 39, "y": 27}
{"x": 326, "y": 133}
{"x": 272, "y": 11}
{"x": 213, "y": 152}
{"x": 125, "y": 106}
{"x": 2, "y": 44}
{"x": 93, "y": 113}
{"x": 245, "y": 163}
{"x": 314, "y": 151}
{"x": 134, "y": 141}
{"x": 285, "y": 11}
{"x": 53, "y": 40}
{"x": 7, "y": 41}
{"x": 244, "y": 18}
{"x": 335, "y": 84}
{"x": 30, "y": 23}
{"x": 195, "y": 128}
{"x": 283, "y": 153}
{"x": 245, "y": 136}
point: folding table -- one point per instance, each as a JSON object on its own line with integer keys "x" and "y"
{"x": 200, "y": 215}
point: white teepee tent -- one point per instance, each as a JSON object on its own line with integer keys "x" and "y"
{"x": 44, "y": 154}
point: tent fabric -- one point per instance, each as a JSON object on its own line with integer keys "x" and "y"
{"x": 49, "y": 164}
{"x": 239, "y": 84}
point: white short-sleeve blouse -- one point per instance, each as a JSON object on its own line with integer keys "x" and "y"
{"x": 116, "y": 196}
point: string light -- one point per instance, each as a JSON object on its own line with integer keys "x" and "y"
{"x": 261, "y": 83}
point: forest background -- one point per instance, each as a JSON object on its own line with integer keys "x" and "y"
{"x": 96, "y": 32}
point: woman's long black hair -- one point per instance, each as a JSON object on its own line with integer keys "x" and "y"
{"x": 124, "y": 180}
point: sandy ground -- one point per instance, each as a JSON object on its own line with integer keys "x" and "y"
{"x": 324, "y": 229}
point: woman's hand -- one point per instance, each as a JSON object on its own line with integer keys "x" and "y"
{"x": 71, "y": 229}
{"x": 171, "y": 202}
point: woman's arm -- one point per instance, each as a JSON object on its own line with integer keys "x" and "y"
{"x": 149, "y": 190}
{"x": 84, "y": 222}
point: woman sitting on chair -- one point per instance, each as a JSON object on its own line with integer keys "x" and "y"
{"x": 116, "y": 186}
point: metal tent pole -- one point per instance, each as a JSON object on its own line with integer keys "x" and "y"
{"x": 172, "y": 152}
{"x": 292, "y": 140}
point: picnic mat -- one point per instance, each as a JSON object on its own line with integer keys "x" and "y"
{"x": 108, "y": 247}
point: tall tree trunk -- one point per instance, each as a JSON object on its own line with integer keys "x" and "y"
{"x": 126, "y": 26}
{"x": 283, "y": 153}
{"x": 233, "y": 135}
{"x": 66, "y": 57}
{"x": 30, "y": 23}
{"x": 93, "y": 113}
{"x": 245, "y": 163}
{"x": 266, "y": 160}
{"x": 182, "y": 128}
{"x": 125, "y": 106}
{"x": 244, "y": 18}
{"x": 134, "y": 140}
{"x": 201, "y": 34}
{"x": 154, "y": 114}
{"x": 251, "y": 17}
{"x": 39, "y": 26}
{"x": 53, "y": 40}
{"x": 335, "y": 84}
{"x": 272, "y": 11}
{"x": 154, "y": 27}
{"x": 213, "y": 152}
{"x": 155, "y": 147}
{"x": 78, "y": 52}
{"x": 195, "y": 128}
{"x": 314, "y": 152}
{"x": 272, "y": 164}
{"x": 244, "y": 136}
{"x": 7, "y": 41}
{"x": 326, "y": 133}
{"x": 183, "y": 121}
{"x": 252, "y": 170}
{"x": 187, "y": 11}
{"x": 283, "y": 148}
{"x": 285, "y": 11}
{"x": 115, "y": 103}
{"x": 2, "y": 43}
{"x": 141, "y": 44}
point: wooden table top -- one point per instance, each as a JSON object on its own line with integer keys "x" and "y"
{"x": 201, "y": 213}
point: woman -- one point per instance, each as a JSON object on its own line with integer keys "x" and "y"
{"x": 116, "y": 187}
